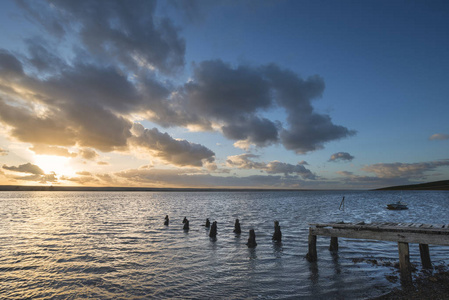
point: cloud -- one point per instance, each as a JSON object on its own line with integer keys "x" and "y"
{"x": 52, "y": 150}
{"x": 341, "y": 156}
{"x": 84, "y": 173}
{"x": 439, "y": 136}
{"x": 102, "y": 163}
{"x": 88, "y": 154}
{"x": 107, "y": 64}
{"x": 3, "y": 152}
{"x": 276, "y": 167}
{"x": 124, "y": 31}
{"x": 244, "y": 161}
{"x": 36, "y": 173}
{"x": 39, "y": 178}
{"x": 404, "y": 170}
{"x": 194, "y": 178}
{"x": 177, "y": 152}
{"x": 235, "y": 98}
{"x": 25, "y": 168}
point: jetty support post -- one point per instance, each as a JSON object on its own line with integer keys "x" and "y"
{"x": 312, "y": 254}
{"x": 425, "y": 256}
{"x": 404, "y": 263}
{"x": 334, "y": 244}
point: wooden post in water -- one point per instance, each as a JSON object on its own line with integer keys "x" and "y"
{"x": 425, "y": 256}
{"x": 404, "y": 263}
{"x": 334, "y": 244}
{"x": 312, "y": 255}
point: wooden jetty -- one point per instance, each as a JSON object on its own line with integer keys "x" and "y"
{"x": 402, "y": 233}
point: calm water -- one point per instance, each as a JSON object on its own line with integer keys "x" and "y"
{"x": 67, "y": 245}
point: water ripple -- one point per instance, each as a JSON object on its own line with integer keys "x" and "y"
{"x": 64, "y": 245}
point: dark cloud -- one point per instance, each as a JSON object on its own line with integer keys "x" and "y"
{"x": 177, "y": 152}
{"x": 39, "y": 178}
{"x": 88, "y": 154}
{"x": 341, "y": 156}
{"x": 439, "y": 136}
{"x": 42, "y": 56}
{"x": 25, "y": 168}
{"x": 10, "y": 66}
{"x": 35, "y": 173}
{"x": 89, "y": 98}
{"x": 235, "y": 98}
{"x": 245, "y": 161}
{"x": 52, "y": 150}
{"x": 119, "y": 30}
{"x": 276, "y": 167}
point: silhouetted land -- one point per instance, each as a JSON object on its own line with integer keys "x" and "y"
{"x": 435, "y": 185}
{"x": 127, "y": 189}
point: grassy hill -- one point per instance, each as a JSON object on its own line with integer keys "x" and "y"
{"x": 442, "y": 185}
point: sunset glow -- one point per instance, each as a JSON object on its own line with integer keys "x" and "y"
{"x": 234, "y": 94}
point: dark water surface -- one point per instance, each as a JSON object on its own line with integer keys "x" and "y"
{"x": 68, "y": 245}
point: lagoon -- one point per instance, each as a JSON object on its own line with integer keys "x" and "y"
{"x": 67, "y": 245}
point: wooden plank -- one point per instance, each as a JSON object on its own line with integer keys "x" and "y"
{"x": 391, "y": 228}
{"x": 409, "y": 237}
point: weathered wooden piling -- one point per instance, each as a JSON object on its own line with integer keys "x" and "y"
{"x": 186, "y": 225}
{"x": 185, "y": 219}
{"x": 334, "y": 244}
{"x": 252, "y": 239}
{"x": 277, "y": 235}
{"x": 312, "y": 254}
{"x": 237, "y": 228}
{"x": 404, "y": 262}
{"x": 425, "y": 256}
{"x": 213, "y": 230}
{"x": 207, "y": 223}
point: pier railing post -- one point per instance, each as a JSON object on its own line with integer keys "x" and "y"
{"x": 425, "y": 256}
{"x": 404, "y": 263}
{"x": 334, "y": 244}
{"x": 312, "y": 255}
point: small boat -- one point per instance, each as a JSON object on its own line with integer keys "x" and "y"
{"x": 397, "y": 206}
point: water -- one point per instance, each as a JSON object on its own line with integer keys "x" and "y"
{"x": 68, "y": 245}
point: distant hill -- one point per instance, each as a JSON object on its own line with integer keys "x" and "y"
{"x": 126, "y": 189}
{"x": 442, "y": 185}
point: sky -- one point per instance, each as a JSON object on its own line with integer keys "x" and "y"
{"x": 224, "y": 94}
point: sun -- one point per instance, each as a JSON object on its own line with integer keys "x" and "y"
{"x": 51, "y": 163}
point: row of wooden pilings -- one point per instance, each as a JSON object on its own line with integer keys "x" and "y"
{"x": 277, "y": 235}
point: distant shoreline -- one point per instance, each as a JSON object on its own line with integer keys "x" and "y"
{"x": 442, "y": 185}
{"x": 12, "y": 188}
{"x": 431, "y": 186}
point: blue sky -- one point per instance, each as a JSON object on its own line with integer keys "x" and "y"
{"x": 269, "y": 94}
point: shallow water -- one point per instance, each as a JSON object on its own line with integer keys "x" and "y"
{"x": 67, "y": 245}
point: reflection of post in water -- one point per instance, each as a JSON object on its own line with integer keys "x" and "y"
{"x": 336, "y": 262}
{"x": 342, "y": 204}
{"x": 313, "y": 276}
